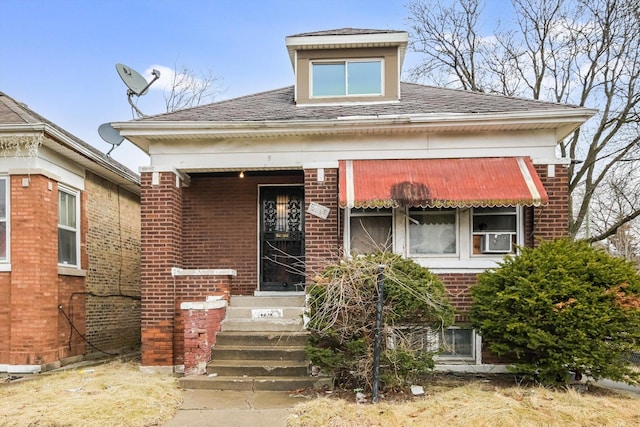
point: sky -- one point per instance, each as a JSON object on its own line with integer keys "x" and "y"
{"x": 58, "y": 56}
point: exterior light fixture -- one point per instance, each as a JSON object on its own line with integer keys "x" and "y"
{"x": 241, "y": 174}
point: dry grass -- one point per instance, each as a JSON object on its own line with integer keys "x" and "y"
{"x": 474, "y": 405}
{"x": 113, "y": 394}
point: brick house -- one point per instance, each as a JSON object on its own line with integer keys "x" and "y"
{"x": 69, "y": 246}
{"x": 253, "y": 195}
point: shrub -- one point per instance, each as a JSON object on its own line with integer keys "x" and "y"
{"x": 561, "y": 307}
{"x": 342, "y": 312}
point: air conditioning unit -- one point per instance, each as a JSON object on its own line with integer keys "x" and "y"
{"x": 497, "y": 243}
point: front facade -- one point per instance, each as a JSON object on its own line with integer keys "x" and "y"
{"x": 69, "y": 247}
{"x": 255, "y": 195}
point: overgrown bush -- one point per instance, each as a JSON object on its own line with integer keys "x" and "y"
{"x": 562, "y": 307}
{"x": 342, "y": 311}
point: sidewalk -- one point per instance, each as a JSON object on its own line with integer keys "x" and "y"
{"x": 234, "y": 408}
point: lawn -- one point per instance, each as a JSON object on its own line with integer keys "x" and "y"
{"x": 474, "y": 402}
{"x": 119, "y": 394}
{"x": 111, "y": 394}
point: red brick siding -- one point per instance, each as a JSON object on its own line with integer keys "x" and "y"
{"x": 113, "y": 276}
{"x": 194, "y": 289}
{"x": 34, "y": 258}
{"x": 72, "y": 297}
{"x": 5, "y": 317}
{"x": 322, "y": 236}
{"x": 200, "y": 331}
{"x": 457, "y": 286}
{"x": 552, "y": 221}
{"x": 221, "y": 225}
{"x": 161, "y": 246}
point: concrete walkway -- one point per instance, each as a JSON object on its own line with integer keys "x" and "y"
{"x": 234, "y": 408}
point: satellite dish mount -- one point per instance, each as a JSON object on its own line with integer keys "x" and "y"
{"x": 136, "y": 84}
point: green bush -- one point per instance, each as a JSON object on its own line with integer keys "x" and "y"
{"x": 559, "y": 308}
{"x": 342, "y": 312}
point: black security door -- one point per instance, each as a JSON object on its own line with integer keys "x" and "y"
{"x": 282, "y": 239}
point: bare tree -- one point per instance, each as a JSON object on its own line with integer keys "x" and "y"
{"x": 619, "y": 193}
{"x": 580, "y": 52}
{"x": 189, "y": 89}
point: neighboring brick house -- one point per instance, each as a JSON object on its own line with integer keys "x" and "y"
{"x": 69, "y": 246}
{"x": 242, "y": 193}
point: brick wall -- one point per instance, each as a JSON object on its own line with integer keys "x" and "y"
{"x": 322, "y": 236}
{"x": 194, "y": 288}
{"x": 161, "y": 245}
{"x": 113, "y": 275}
{"x": 221, "y": 224}
{"x": 33, "y": 292}
{"x": 72, "y": 297}
{"x": 552, "y": 221}
{"x": 5, "y": 317}
{"x": 201, "y": 326}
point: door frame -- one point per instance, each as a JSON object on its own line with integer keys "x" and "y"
{"x": 258, "y": 291}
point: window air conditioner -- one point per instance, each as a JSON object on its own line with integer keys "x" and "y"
{"x": 497, "y": 243}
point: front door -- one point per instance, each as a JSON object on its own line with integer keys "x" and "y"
{"x": 282, "y": 238}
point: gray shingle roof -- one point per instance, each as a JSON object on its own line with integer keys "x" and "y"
{"x": 278, "y": 105}
{"x": 13, "y": 112}
{"x": 346, "y": 32}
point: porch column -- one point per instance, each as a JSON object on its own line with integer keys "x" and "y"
{"x": 322, "y": 236}
{"x": 161, "y": 247}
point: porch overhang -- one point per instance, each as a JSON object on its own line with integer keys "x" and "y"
{"x": 440, "y": 183}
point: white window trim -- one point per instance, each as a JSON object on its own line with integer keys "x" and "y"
{"x": 346, "y": 62}
{"x": 76, "y": 194}
{"x": 346, "y": 234}
{"x": 519, "y": 233}
{"x": 4, "y": 263}
{"x": 464, "y": 261}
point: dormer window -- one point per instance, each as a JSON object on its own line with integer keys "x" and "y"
{"x": 347, "y": 65}
{"x": 347, "y": 78}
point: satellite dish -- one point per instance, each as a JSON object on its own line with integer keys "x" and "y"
{"x": 137, "y": 84}
{"x": 110, "y": 135}
{"x": 134, "y": 80}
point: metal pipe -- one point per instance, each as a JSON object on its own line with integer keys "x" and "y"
{"x": 377, "y": 346}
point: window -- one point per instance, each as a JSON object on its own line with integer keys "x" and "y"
{"x": 4, "y": 229}
{"x": 494, "y": 230}
{"x": 457, "y": 343}
{"x": 343, "y": 78}
{"x": 432, "y": 231}
{"x": 453, "y": 343}
{"x": 370, "y": 230}
{"x": 68, "y": 233}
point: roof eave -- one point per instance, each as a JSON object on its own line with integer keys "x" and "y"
{"x": 564, "y": 121}
{"x": 69, "y": 147}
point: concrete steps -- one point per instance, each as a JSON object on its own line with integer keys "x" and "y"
{"x": 260, "y": 347}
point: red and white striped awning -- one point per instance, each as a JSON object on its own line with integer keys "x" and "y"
{"x": 468, "y": 182}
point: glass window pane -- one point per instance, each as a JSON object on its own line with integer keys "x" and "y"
{"x": 66, "y": 209}
{"x": 457, "y": 342}
{"x": 370, "y": 234}
{"x": 502, "y": 223}
{"x": 3, "y": 198}
{"x": 66, "y": 247}
{"x": 432, "y": 233}
{"x": 329, "y": 79}
{"x": 3, "y": 240}
{"x": 365, "y": 78}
